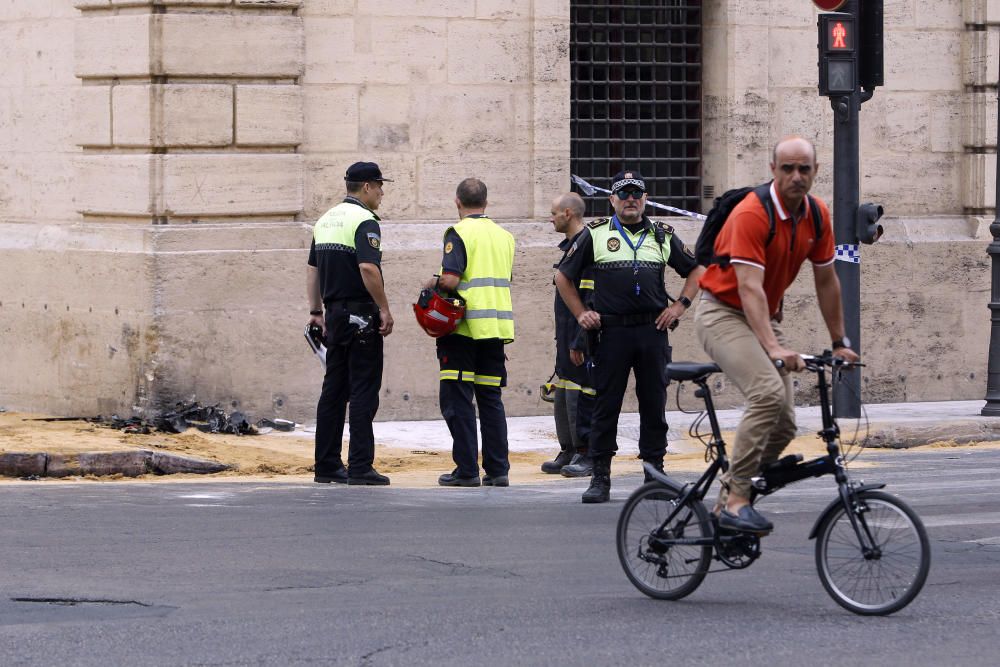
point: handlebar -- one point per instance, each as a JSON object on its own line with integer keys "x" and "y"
{"x": 816, "y": 362}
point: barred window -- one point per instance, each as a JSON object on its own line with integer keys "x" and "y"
{"x": 636, "y": 96}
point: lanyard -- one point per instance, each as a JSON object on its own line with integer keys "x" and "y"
{"x": 635, "y": 249}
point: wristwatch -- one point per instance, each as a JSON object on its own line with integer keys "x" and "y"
{"x": 841, "y": 342}
{"x": 684, "y": 301}
{"x": 315, "y": 312}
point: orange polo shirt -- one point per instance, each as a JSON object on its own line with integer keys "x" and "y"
{"x": 744, "y": 239}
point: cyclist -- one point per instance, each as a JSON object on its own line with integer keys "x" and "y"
{"x": 738, "y": 319}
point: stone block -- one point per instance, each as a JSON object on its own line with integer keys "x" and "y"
{"x": 803, "y": 112}
{"x": 747, "y": 49}
{"x": 197, "y": 115}
{"x": 979, "y": 115}
{"x": 115, "y": 184}
{"x": 47, "y": 59}
{"x": 92, "y": 116}
{"x": 440, "y": 8}
{"x": 551, "y": 177}
{"x": 132, "y": 114}
{"x": 549, "y": 119}
{"x": 108, "y": 46}
{"x": 504, "y": 175}
{"x": 551, "y": 9}
{"x": 786, "y": 66}
{"x": 505, "y": 9}
{"x": 551, "y": 51}
{"x": 42, "y": 119}
{"x": 979, "y": 179}
{"x": 386, "y": 105}
{"x": 330, "y": 118}
{"x": 479, "y": 119}
{"x": 327, "y": 8}
{"x": 324, "y": 182}
{"x": 900, "y": 122}
{"x": 232, "y": 184}
{"x": 268, "y": 115}
{"x": 932, "y": 185}
{"x": 979, "y": 57}
{"x": 280, "y": 4}
{"x": 946, "y": 121}
{"x": 418, "y": 44}
{"x": 947, "y": 14}
{"x": 231, "y": 45}
{"x": 502, "y": 50}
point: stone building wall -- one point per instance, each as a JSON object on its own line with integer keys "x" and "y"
{"x": 161, "y": 162}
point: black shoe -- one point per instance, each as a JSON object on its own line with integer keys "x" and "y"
{"x": 656, "y": 463}
{"x": 600, "y": 484}
{"x": 747, "y": 520}
{"x": 338, "y": 476}
{"x": 553, "y": 467}
{"x": 370, "y": 478}
{"x": 581, "y": 466}
{"x": 452, "y": 479}
{"x": 498, "y": 480}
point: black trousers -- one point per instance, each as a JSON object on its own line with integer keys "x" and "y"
{"x": 353, "y": 375}
{"x": 645, "y": 351}
{"x": 474, "y": 369}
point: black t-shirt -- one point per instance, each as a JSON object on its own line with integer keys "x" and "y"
{"x": 339, "y": 275}
{"x": 567, "y": 328}
{"x": 614, "y": 288}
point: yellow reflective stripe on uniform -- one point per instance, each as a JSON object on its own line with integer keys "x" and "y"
{"x": 488, "y": 380}
{"x": 451, "y": 374}
{"x": 569, "y": 385}
{"x": 586, "y": 283}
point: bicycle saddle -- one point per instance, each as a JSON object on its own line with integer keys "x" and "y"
{"x": 689, "y": 370}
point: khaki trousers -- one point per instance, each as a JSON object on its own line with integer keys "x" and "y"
{"x": 768, "y": 424}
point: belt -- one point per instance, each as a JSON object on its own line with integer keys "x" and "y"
{"x": 357, "y": 307}
{"x": 628, "y": 320}
{"x": 711, "y": 298}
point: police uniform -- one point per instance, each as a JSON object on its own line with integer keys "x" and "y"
{"x": 344, "y": 237}
{"x": 628, "y": 265}
{"x": 573, "y": 392}
{"x": 472, "y": 360}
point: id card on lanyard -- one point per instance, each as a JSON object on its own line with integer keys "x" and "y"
{"x": 635, "y": 249}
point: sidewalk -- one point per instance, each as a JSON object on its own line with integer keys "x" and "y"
{"x": 892, "y": 425}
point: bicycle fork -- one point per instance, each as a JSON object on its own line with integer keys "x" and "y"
{"x": 853, "y": 507}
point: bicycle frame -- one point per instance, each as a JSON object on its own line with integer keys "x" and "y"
{"x": 781, "y": 473}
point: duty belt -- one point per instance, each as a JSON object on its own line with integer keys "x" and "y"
{"x": 628, "y": 320}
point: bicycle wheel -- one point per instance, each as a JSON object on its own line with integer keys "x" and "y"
{"x": 886, "y": 581}
{"x": 665, "y": 572}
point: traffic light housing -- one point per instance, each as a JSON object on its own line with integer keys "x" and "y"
{"x": 838, "y": 54}
{"x": 871, "y": 71}
{"x": 866, "y": 223}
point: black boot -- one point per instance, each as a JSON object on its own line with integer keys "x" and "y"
{"x": 555, "y": 466}
{"x": 656, "y": 463}
{"x": 600, "y": 483}
{"x": 581, "y": 466}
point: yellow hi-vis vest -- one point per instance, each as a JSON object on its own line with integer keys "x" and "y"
{"x": 335, "y": 230}
{"x": 485, "y": 284}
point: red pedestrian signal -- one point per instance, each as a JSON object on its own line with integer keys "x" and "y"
{"x": 838, "y": 73}
{"x": 839, "y": 32}
{"x": 839, "y": 36}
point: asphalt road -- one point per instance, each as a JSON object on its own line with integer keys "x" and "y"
{"x": 294, "y": 574}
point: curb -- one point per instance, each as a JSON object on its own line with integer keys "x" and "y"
{"x": 960, "y": 432}
{"x": 127, "y": 463}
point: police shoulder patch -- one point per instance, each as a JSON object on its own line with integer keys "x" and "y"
{"x": 688, "y": 251}
{"x": 614, "y": 244}
{"x": 448, "y": 247}
{"x": 374, "y": 240}
{"x": 594, "y": 224}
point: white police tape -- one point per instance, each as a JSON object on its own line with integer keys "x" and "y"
{"x": 847, "y": 252}
{"x": 589, "y": 190}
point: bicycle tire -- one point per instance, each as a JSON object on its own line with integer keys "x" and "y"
{"x": 680, "y": 569}
{"x": 878, "y": 586}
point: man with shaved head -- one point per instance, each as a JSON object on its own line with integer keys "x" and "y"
{"x": 573, "y": 394}
{"x": 740, "y": 315}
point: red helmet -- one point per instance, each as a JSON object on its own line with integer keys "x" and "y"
{"x": 438, "y": 315}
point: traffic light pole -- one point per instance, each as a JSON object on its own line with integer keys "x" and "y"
{"x": 846, "y": 131}
{"x": 992, "y": 407}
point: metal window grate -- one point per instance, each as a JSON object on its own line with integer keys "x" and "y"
{"x": 636, "y": 96}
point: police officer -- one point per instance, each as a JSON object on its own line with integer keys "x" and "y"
{"x": 573, "y": 396}
{"x": 477, "y": 264}
{"x": 344, "y": 278}
{"x": 628, "y": 255}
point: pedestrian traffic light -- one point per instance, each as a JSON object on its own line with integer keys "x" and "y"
{"x": 871, "y": 71}
{"x": 838, "y": 54}
{"x": 866, "y": 223}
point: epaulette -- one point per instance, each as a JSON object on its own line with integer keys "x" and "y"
{"x": 594, "y": 224}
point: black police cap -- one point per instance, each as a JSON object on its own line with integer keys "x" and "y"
{"x": 359, "y": 172}
{"x": 627, "y": 177}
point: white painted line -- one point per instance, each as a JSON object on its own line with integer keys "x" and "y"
{"x": 974, "y": 519}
